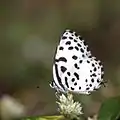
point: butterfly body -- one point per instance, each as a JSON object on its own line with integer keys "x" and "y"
{"x": 74, "y": 68}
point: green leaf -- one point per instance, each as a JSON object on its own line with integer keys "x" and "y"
{"x": 110, "y": 109}
{"x": 59, "y": 117}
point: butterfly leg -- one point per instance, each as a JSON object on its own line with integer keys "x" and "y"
{"x": 103, "y": 83}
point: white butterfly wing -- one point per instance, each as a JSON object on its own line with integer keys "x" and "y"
{"x": 70, "y": 48}
{"x": 73, "y": 66}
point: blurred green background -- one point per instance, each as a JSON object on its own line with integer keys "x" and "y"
{"x": 30, "y": 31}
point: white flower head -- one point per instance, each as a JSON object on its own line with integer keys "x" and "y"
{"x": 68, "y": 107}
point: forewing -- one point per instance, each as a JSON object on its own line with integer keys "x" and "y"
{"x": 70, "y": 51}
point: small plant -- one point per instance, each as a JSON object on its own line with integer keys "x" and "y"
{"x": 68, "y": 107}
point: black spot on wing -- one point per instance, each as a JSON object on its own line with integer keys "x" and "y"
{"x": 88, "y": 61}
{"x": 74, "y": 57}
{"x": 76, "y": 48}
{"x": 79, "y": 88}
{"x": 63, "y": 59}
{"x": 90, "y": 85}
{"x": 93, "y": 65}
{"x": 70, "y": 38}
{"x": 87, "y": 49}
{"x": 72, "y": 88}
{"x": 80, "y": 38}
{"x": 86, "y": 80}
{"x": 100, "y": 63}
{"x": 64, "y": 37}
{"x": 61, "y": 48}
{"x": 87, "y": 88}
{"x": 102, "y": 76}
{"x": 63, "y": 69}
{"x": 95, "y": 69}
{"x": 76, "y": 75}
{"x": 76, "y": 66}
{"x": 102, "y": 69}
{"x": 98, "y": 81}
{"x": 90, "y": 56}
{"x": 83, "y": 55}
{"x": 58, "y": 77}
{"x": 82, "y": 50}
{"x": 80, "y": 61}
{"x": 66, "y": 82}
{"x": 70, "y": 48}
{"x": 76, "y": 34}
{"x": 94, "y": 75}
{"x": 68, "y": 43}
{"x": 92, "y": 80}
{"x": 84, "y": 43}
{"x": 75, "y": 40}
{"x": 68, "y": 73}
{"x": 79, "y": 45}
{"x": 73, "y": 79}
{"x": 75, "y": 83}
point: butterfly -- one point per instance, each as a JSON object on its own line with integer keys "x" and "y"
{"x": 74, "y": 68}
